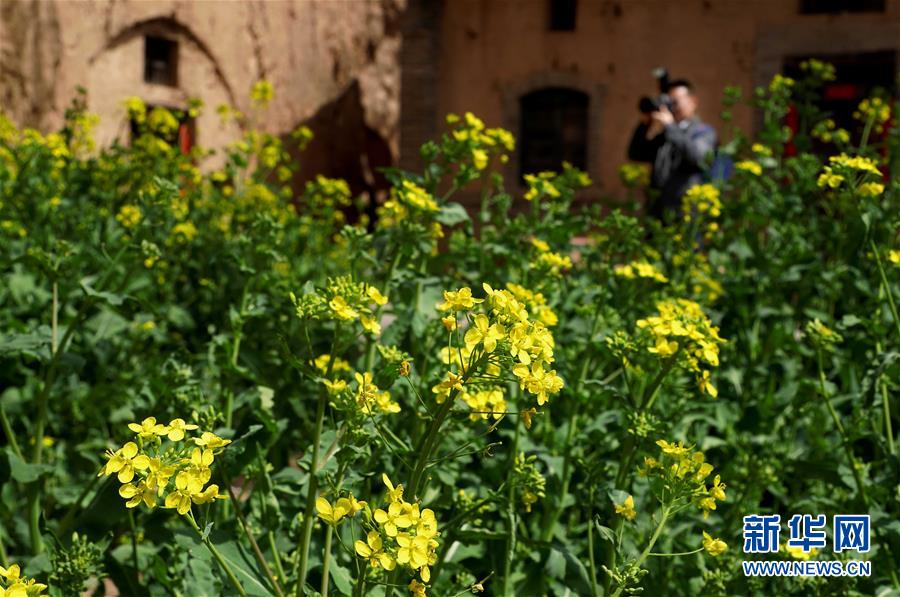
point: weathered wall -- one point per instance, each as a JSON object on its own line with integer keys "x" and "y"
{"x": 493, "y": 51}
{"x": 313, "y": 51}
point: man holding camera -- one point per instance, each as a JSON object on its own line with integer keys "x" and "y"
{"x": 673, "y": 138}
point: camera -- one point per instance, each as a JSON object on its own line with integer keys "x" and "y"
{"x": 648, "y": 104}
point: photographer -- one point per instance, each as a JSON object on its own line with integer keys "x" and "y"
{"x": 677, "y": 143}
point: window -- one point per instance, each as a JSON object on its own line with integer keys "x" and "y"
{"x": 553, "y": 129}
{"x": 811, "y": 7}
{"x": 562, "y": 15}
{"x": 160, "y": 61}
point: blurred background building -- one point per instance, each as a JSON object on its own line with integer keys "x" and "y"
{"x": 375, "y": 78}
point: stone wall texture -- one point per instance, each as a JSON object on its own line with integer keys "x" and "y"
{"x": 338, "y": 55}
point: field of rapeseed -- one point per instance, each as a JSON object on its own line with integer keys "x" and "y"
{"x": 213, "y": 385}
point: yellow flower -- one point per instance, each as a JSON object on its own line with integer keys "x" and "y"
{"x": 894, "y": 257}
{"x": 342, "y": 309}
{"x": 413, "y": 550}
{"x": 395, "y": 494}
{"x": 749, "y": 166}
{"x": 262, "y": 92}
{"x": 370, "y": 325}
{"x": 211, "y": 441}
{"x": 372, "y": 550}
{"x": 458, "y": 300}
{"x": 416, "y": 588}
{"x": 706, "y": 385}
{"x": 180, "y": 499}
{"x": 715, "y": 547}
{"x": 129, "y": 215}
{"x": 717, "y": 491}
{"x": 124, "y": 462}
{"x": 332, "y": 514}
{"x": 664, "y": 347}
{"x": 334, "y": 387}
{"x": 539, "y": 244}
{"x": 672, "y": 449}
{"x": 184, "y": 231}
{"x": 177, "y": 428}
{"x": 376, "y": 296}
{"x": 449, "y": 322}
{"x": 482, "y": 332}
{"x": 135, "y": 494}
{"x": 626, "y": 508}
{"x": 480, "y": 158}
{"x": 871, "y": 189}
{"x": 760, "y": 149}
{"x": 396, "y": 517}
{"x": 148, "y": 428}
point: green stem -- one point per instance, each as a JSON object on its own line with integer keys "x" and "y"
{"x": 218, "y": 556}
{"x": 886, "y": 407}
{"x": 511, "y": 513}
{"x": 326, "y": 561}
{"x": 277, "y": 558}
{"x": 10, "y": 436}
{"x": 664, "y": 517}
{"x": 301, "y": 564}
{"x": 360, "y": 589}
{"x": 860, "y": 486}
{"x": 887, "y": 287}
{"x": 426, "y": 444}
{"x": 134, "y": 549}
{"x": 253, "y": 544}
{"x": 235, "y": 352}
{"x": 672, "y": 555}
{"x": 591, "y": 561}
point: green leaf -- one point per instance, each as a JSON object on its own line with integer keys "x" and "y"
{"x": 22, "y": 471}
{"x": 452, "y": 214}
{"x": 342, "y": 579}
{"x": 34, "y": 344}
{"x": 107, "y": 297}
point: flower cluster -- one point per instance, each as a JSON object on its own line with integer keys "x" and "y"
{"x": 640, "y": 269}
{"x": 827, "y": 131}
{"x": 410, "y": 206}
{"x": 528, "y": 481}
{"x": 824, "y": 71}
{"x": 634, "y": 175}
{"x": 540, "y": 185}
{"x": 145, "y": 468}
{"x": 682, "y": 330}
{"x": 683, "y": 471}
{"x": 474, "y": 143}
{"x": 262, "y": 92}
{"x": 324, "y": 198}
{"x": 342, "y": 300}
{"x": 13, "y": 584}
{"x": 821, "y": 336}
{"x": 536, "y": 303}
{"x": 503, "y": 335}
{"x": 701, "y": 199}
{"x": 843, "y": 167}
{"x": 750, "y": 166}
{"x": 129, "y": 216}
{"x": 402, "y": 533}
{"x": 875, "y": 110}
